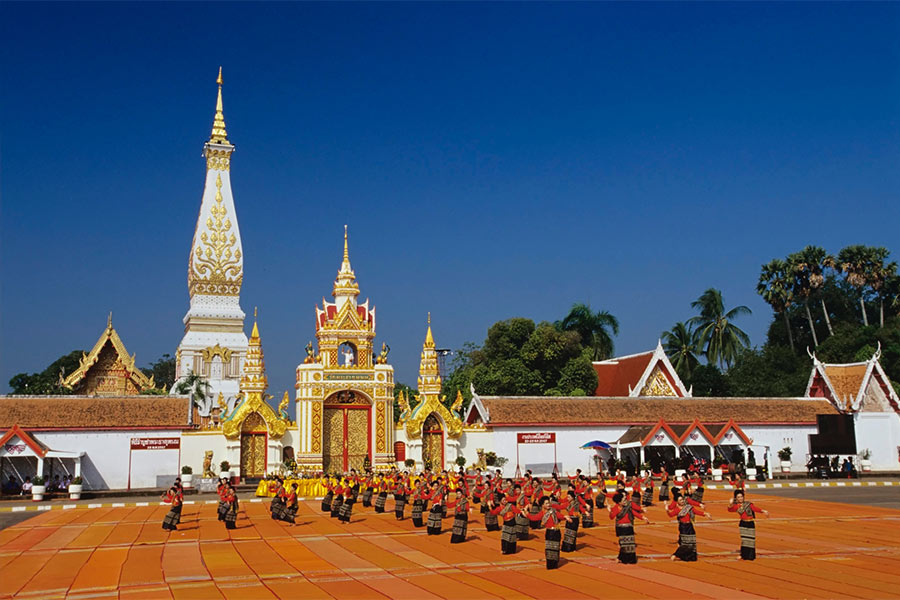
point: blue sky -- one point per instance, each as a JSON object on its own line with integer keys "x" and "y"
{"x": 491, "y": 160}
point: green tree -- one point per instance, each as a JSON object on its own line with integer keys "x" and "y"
{"x": 198, "y": 387}
{"x": 49, "y": 380}
{"x": 857, "y": 264}
{"x": 773, "y": 371}
{"x": 707, "y": 380}
{"x": 718, "y": 338}
{"x": 882, "y": 276}
{"x": 410, "y": 393}
{"x": 163, "y": 372}
{"x": 680, "y": 344}
{"x": 595, "y": 328}
{"x": 809, "y": 267}
{"x": 775, "y": 288}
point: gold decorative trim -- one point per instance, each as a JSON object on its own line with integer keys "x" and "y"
{"x": 215, "y": 266}
{"x": 211, "y": 352}
{"x": 88, "y": 360}
{"x": 380, "y": 419}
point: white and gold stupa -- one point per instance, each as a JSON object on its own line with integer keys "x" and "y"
{"x": 214, "y": 343}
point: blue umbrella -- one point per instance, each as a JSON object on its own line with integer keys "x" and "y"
{"x": 597, "y": 444}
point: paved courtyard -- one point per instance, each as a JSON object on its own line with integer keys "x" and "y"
{"x": 808, "y": 549}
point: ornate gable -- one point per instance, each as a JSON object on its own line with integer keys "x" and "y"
{"x": 853, "y": 387}
{"x": 108, "y": 370}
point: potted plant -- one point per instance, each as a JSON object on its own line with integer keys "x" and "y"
{"x": 187, "y": 476}
{"x": 38, "y": 488}
{"x": 865, "y": 460}
{"x": 225, "y": 469}
{"x": 785, "y": 456}
{"x": 410, "y": 463}
{"x": 717, "y": 468}
{"x": 75, "y": 488}
{"x": 460, "y": 461}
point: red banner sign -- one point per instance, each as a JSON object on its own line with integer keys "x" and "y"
{"x": 537, "y": 438}
{"x": 155, "y": 443}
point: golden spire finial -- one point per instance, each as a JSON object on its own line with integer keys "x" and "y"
{"x": 346, "y": 249}
{"x": 109, "y": 321}
{"x": 429, "y": 338}
{"x": 254, "y": 335}
{"x": 219, "y": 136}
{"x": 345, "y": 284}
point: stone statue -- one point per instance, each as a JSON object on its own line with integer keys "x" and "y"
{"x": 207, "y": 464}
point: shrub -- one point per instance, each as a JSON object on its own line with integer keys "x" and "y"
{"x": 38, "y": 480}
{"x": 224, "y": 465}
{"x": 186, "y": 470}
{"x": 410, "y": 463}
{"x": 785, "y": 453}
{"x": 77, "y": 480}
{"x": 460, "y": 461}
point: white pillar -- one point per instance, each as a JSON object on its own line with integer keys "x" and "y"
{"x": 677, "y": 451}
{"x": 77, "y": 466}
{"x": 642, "y": 457}
{"x": 40, "y": 466}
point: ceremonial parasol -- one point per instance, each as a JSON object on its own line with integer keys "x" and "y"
{"x": 597, "y": 444}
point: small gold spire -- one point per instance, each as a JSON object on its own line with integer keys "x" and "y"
{"x": 345, "y": 284}
{"x": 219, "y": 136}
{"x": 346, "y": 249}
{"x": 254, "y": 335}
{"x": 429, "y": 339}
{"x": 109, "y": 320}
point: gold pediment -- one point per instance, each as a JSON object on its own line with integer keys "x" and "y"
{"x": 658, "y": 385}
{"x": 431, "y": 403}
{"x": 254, "y": 403}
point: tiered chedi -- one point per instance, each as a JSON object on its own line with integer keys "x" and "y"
{"x": 214, "y": 343}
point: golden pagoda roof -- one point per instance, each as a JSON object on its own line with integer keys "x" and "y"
{"x": 345, "y": 284}
{"x": 430, "y": 399}
{"x": 218, "y": 134}
{"x": 111, "y": 336}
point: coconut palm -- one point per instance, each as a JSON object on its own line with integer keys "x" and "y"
{"x": 775, "y": 288}
{"x": 718, "y": 338}
{"x": 856, "y": 263}
{"x": 596, "y": 329}
{"x": 680, "y": 344}
{"x": 198, "y": 388}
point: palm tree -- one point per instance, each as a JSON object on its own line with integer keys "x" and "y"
{"x": 881, "y": 274}
{"x": 198, "y": 388}
{"x": 717, "y": 337}
{"x": 596, "y": 329}
{"x": 809, "y": 266}
{"x": 856, "y": 262}
{"x": 680, "y": 344}
{"x": 775, "y": 288}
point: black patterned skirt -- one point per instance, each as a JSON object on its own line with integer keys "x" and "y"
{"x": 687, "y": 542}
{"x": 417, "y": 512}
{"x": 697, "y": 495}
{"x": 290, "y": 513}
{"x": 460, "y": 528}
{"x": 570, "y": 535}
{"x": 278, "y": 508}
{"x": 336, "y": 505}
{"x": 379, "y": 502}
{"x": 748, "y": 540}
{"x": 484, "y": 508}
{"x": 551, "y": 547}
{"x": 326, "y": 501}
{"x": 367, "y": 497}
{"x": 664, "y": 492}
{"x": 647, "y": 497}
{"x": 522, "y": 527}
{"x": 399, "y": 505}
{"x": 172, "y": 518}
{"x": 223, "y": 508}
{"x": 231, "y": 516}
{"x": 346, "y": 510}
{"x": 491, "y": 522}
{"x": 434, "y": 519}
{"x": 627, "y": 544}
{"x": 535, "y": 524}
{"x": 508, "y": 537}
{"x": 587, "y": 518}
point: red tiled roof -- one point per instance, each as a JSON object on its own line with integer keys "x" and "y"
{"x": 83, "y": 412}
{"x": 614, "y": 376}
{"x": 553, "y": 410}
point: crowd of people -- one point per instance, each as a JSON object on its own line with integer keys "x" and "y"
{"x": 514, "y": 507}
{"x": 54, "y": 485}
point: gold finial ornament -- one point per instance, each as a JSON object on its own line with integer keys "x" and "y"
{"x": 218, "y": 135}
{"x": 345, "y": 284}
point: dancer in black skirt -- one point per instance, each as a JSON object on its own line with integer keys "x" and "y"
{"x": 684, "y": 512}
{"x": 572, "y": 508}
{"x": 329, "y": 495}
{"x": 232, "y": 504}
{"x": 436, "y": 514}
{"x": 624, "y": 512}
{"x": 173, "y": 517}
{"x": 460, "y": 507}
{"x": 369, "y": 484}
{"x": 401, "y": 493}
{"x": 550, "y": 518}
{"x": 418, "y": 498}
{"x": 747, "y": 523}
{"x": 338, "y": 499}
{"x": 382, "y": 489}
{"x": 347, "y": 506}
{"x": 507, "y": 510}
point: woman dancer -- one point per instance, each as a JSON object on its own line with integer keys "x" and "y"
{"x": 173, "y": 517}
{"x": 291, "y": 505}
{"x": 436, "y": 514}
{"x": 382, "y": 487}
{"x": 231, "y": 503}
{"x": 220, "y": 491}
{"x": 587, "y": 495}
{"x": 571, "y": 507}
{"x": 278, "y": 507}
{"x": 370, "y": 489}
{"x": 624, "y": 512}
{"x": 460, "y": 507}
{"x": 329, "y": 495}
{"x": 347, "y": 506}
{"x": 684, "y": 512}
{"x": 418, "y": 505}
{"x": 490, "y": 519}
{"x": 663, "y": 485}
{"x": 550, "y": 518}
{"x": 507, "y": 510}
{"x": 747, "y": 523}
{"x": 401, "y": 490}
{"x": 338, "y": 499}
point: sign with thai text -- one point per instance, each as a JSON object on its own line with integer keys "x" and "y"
{"x": 155, "y": 443}
{"x": 537, "y": 438}
{"x": 348, "y": 376}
